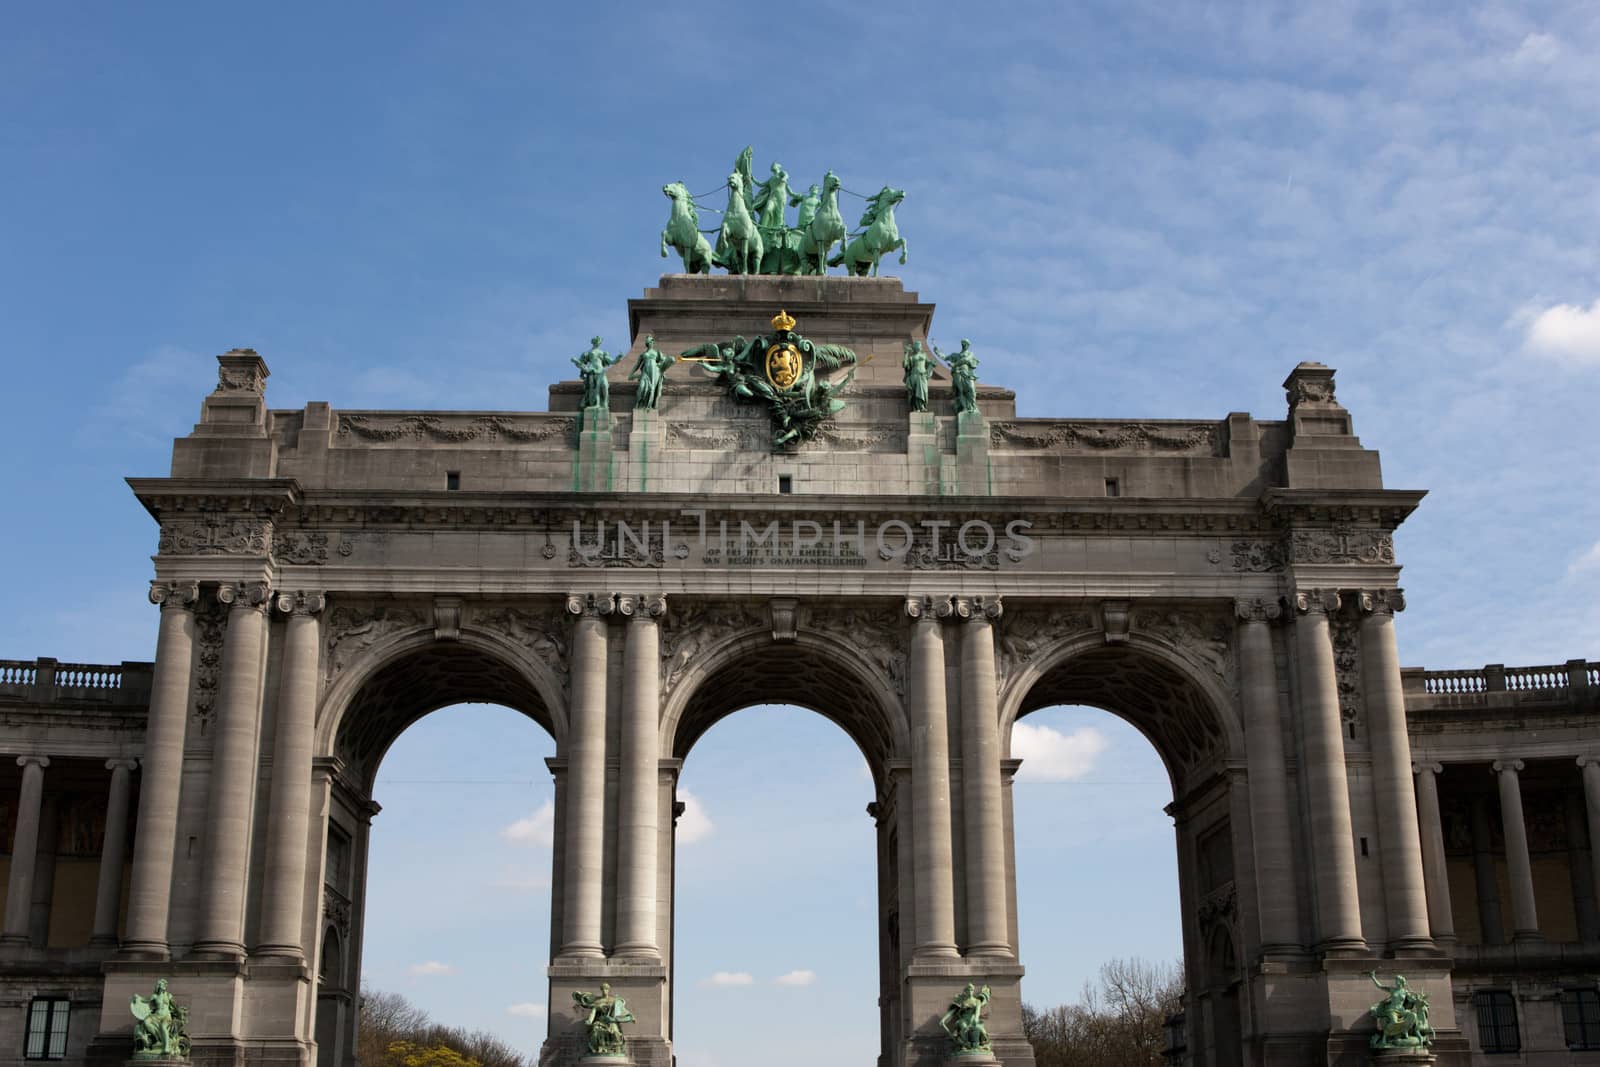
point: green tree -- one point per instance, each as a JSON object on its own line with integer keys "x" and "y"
{"x": 396, "y": 1033}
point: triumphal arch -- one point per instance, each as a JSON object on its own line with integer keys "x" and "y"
{"x": 779, "y": 491}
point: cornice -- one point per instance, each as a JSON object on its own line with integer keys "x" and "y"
{"x": 166, "y": 497}
{"x": 1387, "y": 508}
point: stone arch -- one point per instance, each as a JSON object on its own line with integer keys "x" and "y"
{"x": 330, "y": 968}
{"x": 1186, "y": 712}
{"x": 746, "y": 668}
{"x": 409, "y": 673}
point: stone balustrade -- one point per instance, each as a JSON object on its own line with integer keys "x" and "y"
{"x": 47, "y": 681}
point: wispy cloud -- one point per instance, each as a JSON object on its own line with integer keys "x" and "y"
{"x": 1051, "y": 756}
{"x": 527, "y": 1010}
{"x": 728, "y": 979}
{"x": 1568, "y": 333}
{"x": 796, "y": 978}
{"x": 522, "y": 881}
{"x": 536, "y": 830}
{"x": 694, "y": 824}
{"x": 1588, "y": 561}
{"x": 431, "y": 969}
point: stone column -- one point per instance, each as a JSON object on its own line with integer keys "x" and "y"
{"x": 150, "y": 881}
{"x": 1399, "y": 840}
{"x": 935, "y": 904}
{"x": 1338, "y": 906}
{"x": 984, "y": 806}
{"x": 583, "y": 869}
{"x": 1436, "y": 872}
{"x": 1491, "y": 921}
{"x": 226, "y": 847}
{"x": 108, "y": 891}
{"x": 1590, "y": 766}
{"x": 289, "y": 805}
{"x": 637, "y": 816}
{"x": 1519, "y": 865}
{"x": 1272, "y": 838}
{"x": 24, "y": 851}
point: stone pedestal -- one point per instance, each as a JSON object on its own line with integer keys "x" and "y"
{"x": 972, "y": 455}
{"x": 595, "y": 457}
{"x": 646, "y": 440}
{"x": 972, "y": 1059}
{"x": 923, "y": 460}
{"x": 1403, "y": 1057}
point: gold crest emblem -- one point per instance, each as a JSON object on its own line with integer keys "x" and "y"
{"x": 783, "y": 365}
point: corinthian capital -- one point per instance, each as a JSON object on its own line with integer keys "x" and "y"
{"x": 1315, "y": 601}
{"x": 175, "y": 594}
{"x": 1381, "y": 601}
{"x": 1255, "y": 609}
{"x": 245, "y": 595}
{"x": 591, "y": 605}
{"x": 641, "y": 605}
{"x": 976, "y": 608}
{"x": 303, "y": 602}
{"x": 1503, "y": 766}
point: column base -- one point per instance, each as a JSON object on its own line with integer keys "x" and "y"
{"x": 1344, "y": 948}
{"x": 581, "y": 952}
{"x": 1417, "y": 946}
{"x": 637, "y": 954}
{"x": 1527, "y": 937}
{"x": 283, "y": 953}
{"x": 217, "y": 950}
{"x": 144, "y": 952}
{"x": 937, "y": 951}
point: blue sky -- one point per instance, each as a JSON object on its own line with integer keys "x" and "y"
{"x": 1134, "y": 209}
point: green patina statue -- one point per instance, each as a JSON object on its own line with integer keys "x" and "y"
{"x": 739, "y": 244}
{"x": 1402, "y": 1016}
{"x": 780, "y": 370}
{"x": 919, "y": 369}
{"x": 964, "y": 1022}
{"x": 879, "y": 235}
{"x": 683, "y": 231}
{"x": 756, "y": 239}
{"x": 592, "y": 369}
{"x": 963, "y": 377}
{"x": 649, "y": 372}
{"x": 160, "y": 1026}
{"x": 603, "y": 1021}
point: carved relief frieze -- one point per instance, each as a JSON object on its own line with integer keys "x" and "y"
{"x": 1130, "y": 437}
{"x": 616, "y": 548}
{"x": 1343, "y": 544}
{"x": 539, "y": 630}
{"x": 870, "y": 629}
{"x": 487, "y": 428}
{"x": 1027, "y": 633}
{"x": 210, "y": 630}
{"x": 354, "y": 628}
{"x": 1259, "y": 557}
{"x": 1345, "y": 631}
{"x": 699, "y": 626}
{"x": 753, "y": 437}
{"x": 302, "y": 547}
{"x": 1219, "y": 906}
{"x": 1205, "y": 637}
{"x": 214, "y": 535}
{"x": 336, "y": 911}
{"x": 873, "y": 438}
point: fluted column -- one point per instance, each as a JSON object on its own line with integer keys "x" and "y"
{"x": 225, "y": 851}
{"x": 1435, "y": 869}
{"x": 155, "y": 839}
{"x": 289, "y": 806}
{"x": 1590, "y": 766}
{"x": 583, "y": 867}
{"x": 24, "y": 851}
{"x": 1332, "y": 833}
{"x": 983, "y": 803}
{"x": 1399, "y": 841}
{"x": 108, "y": 891}
{"x": 1519, "y": 865}
{"x": 1271, "y": 837}
{"x": 637, "y": 817}
{"x": 934, "y": 867}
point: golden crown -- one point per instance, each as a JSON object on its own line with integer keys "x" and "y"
{"x": 783, "y": 322}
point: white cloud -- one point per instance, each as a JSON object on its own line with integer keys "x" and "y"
{"x": 1566, "y": 332}
{"x": 727, "y": 979}
{"x": 1588, "y": 561}
{"x": 1051, "y": 756}
{"x": 694, "y": 824}
{"x": 1542, "y": 49}
{"x": 431, "y": 969}
{"x": 527, "y": 1010}
{"x": 522, "y": 881}
{"x": 801, "y": 977}
{"x": 537, "y": 830}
